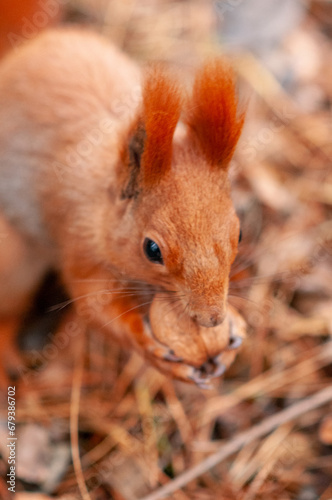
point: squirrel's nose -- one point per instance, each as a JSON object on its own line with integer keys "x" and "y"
{"x": 216, "y": 319}
{"x": 209, "y": 319}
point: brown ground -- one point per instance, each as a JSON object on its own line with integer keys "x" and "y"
{"x": 133, "y": 429}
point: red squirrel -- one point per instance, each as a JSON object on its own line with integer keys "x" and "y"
{"x": 118, "y": 178}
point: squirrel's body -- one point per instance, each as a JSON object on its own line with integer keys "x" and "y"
{"x": 60, "y": 102}
{"x": 90, "y": 171}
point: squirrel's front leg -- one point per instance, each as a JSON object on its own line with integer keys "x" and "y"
{"x": 121, "y": 311}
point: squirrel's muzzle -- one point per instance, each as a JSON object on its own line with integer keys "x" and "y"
{"x": 210, "y": 317}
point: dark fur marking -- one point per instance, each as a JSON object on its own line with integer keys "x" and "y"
{"x": 135, "y": 150}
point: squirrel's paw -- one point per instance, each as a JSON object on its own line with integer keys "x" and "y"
{"x": 163, "y": 353}
{"x": 211, "y": 369}
{"x": 165, "y": 360}
{"x": 188, "y": 373}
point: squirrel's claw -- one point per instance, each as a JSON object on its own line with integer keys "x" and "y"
{"x": 170, "y": 355}
{"x": 234, "y": 342}
{"x": 220, "y": 369}
{"x": 163, "y": 353}
{"x": 203, "y": 382}
{"x": 203, "y": 375}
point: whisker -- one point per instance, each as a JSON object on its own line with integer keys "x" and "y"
{"x": 166, "y": 297}
{"x": 273, "y": 278}
{"x": 255, "y": 255}
{"x": 62, "y": 305}
{"x": 240, "y": 267}
{"x": 127, "y": 311}
{"x": 172, "y": 308}
{"x": 238, "y": 297}
{"x": 253, "y": 280}
{"x": 185, "y": 312}
{"x": 130, "y": 293}
{"x": 109, "y": 280}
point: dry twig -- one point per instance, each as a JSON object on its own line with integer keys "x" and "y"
{"x": 258, "y": 431}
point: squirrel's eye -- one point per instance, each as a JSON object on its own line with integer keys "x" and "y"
{"x": 240, "y": 236}
{"x": 152, "y": 251}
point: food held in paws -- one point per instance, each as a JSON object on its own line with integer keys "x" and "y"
{"x": 207, "y": 349}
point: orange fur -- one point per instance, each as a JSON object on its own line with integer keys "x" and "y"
{"x": 83, "y": 167}
{"x": 213, "y": 115}
{"x": 161, "y": 113}
{"x": 21, "y": 19}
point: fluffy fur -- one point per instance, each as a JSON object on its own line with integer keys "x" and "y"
{"x": 213, "y": 112}
{"x": 161, "y": 112}
{"x": 91, "y": 165}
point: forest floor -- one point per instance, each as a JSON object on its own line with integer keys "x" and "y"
{"x": 264, "y": 431}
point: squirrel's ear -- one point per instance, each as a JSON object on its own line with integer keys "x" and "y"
{"x": 162, "y": 100}
{"x": 213, "y": 117}
{"x": 149, "y": 144}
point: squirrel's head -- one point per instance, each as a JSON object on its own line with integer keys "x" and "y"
{"x": 184, "y": 228}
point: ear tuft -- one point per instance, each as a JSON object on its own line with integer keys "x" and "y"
{"x": 213, "y": 115}
{"x": 162, "y": 100}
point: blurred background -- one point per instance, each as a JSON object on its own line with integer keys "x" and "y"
{"x": 136, "y": 430}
